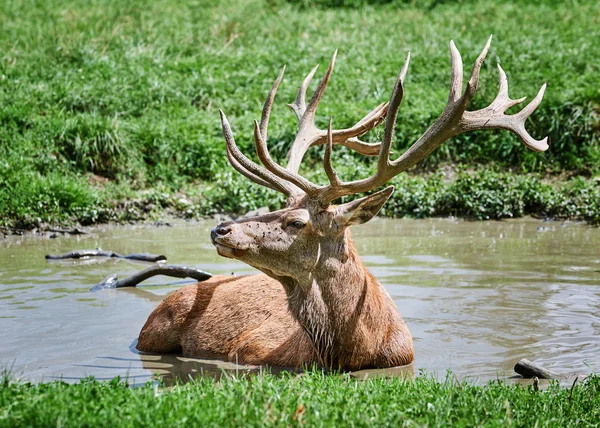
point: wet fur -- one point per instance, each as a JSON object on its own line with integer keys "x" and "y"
{"x": 243, "y": 319}
{"x": 315, "y": 304}
{"x": 250, "y": 320}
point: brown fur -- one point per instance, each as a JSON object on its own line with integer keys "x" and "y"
{"x": 241, "y": 319}
{"x": 317, "y": 303}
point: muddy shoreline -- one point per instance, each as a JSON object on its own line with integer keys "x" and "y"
{"x": 49, "y": 231}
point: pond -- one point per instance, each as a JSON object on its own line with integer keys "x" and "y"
{"x": 477, "y": 297}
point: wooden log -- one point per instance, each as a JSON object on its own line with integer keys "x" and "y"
{"x": 529, "y": 370}
{"x": 74, "y": 231}
{"x": 78, "y": 254}
{"x": 112, "y": 281}
{"x": 18, "y": 231}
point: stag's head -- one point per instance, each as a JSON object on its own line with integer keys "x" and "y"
{"x": 291, "y": 242}
{"x": 310, "y": 230}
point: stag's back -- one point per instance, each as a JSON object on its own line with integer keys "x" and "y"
{"x": 241, "y": 319}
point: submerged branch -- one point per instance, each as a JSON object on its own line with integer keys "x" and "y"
{"x": 78, "y": 254}
{"x": 74, "y": 231}
{"x": 112, "y": 281}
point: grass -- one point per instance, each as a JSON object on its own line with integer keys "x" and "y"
{"x": 475, "y": 194}
{"x": 314, "y": 399}
{"x": 103, "y": 101}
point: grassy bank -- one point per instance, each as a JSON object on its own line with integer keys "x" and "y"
{"x": 103, "y": 103}
{"x": 479, "y": 194}
{"x": 314, "y": 399}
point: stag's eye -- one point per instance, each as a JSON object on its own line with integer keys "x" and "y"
{"x": 297, "y": 224}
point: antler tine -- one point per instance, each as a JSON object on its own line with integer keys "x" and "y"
{"x": 376, "y": 112}
{"x": 264, "y": 119}
{"x": 299, "y": 105}
{"x": 474, "y": 79}
{"x": 309, "y": 113}
{"x": 404, "y": 70}
{"x": 528, "y": 140}
{"x": 239, "y": 168}
{"x": 331, "y": 175}
{"x": 279, "y": 171}
{"x": 530, "y": 108}
{"x": 390, "y": 122}
{"x": 370, "y": 121}
{"x": 248, "y": 168}
{"x": 349, "y": 137}
{"x": 457, "y": 74}
{"x": 359, "y": 146}
{"x": 502, "y": 100}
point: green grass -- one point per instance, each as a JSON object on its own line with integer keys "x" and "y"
{"x": 130, "y": 91}
{"x": 314, "y": 399}
{"x": 475, "y": 194}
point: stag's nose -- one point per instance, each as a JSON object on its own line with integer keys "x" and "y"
{"x": 220, "y": 230}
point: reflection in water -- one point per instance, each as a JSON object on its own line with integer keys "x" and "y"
{"x": 476, "y": 296}
{"x": 174, "y": 369}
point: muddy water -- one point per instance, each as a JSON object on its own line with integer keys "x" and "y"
{"x": 477, "y": 296}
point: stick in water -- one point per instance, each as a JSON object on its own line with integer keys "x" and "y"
{"x": 78, "y": 254}
{"x": 112, "y": 281}
{"x": 528, "y": 370}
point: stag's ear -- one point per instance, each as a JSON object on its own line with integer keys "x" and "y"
{"x": 364, "y": 209}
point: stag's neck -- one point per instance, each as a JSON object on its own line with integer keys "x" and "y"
{"x": 346, "y": 313}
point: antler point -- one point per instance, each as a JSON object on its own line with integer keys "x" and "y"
{"x": 332, "y": 63}
{"x": 542, "y": 145}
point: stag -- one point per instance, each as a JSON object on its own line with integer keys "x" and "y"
{"x": 316, "y": 302}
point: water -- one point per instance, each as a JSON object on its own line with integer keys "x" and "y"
{"x": 477, "y": 297}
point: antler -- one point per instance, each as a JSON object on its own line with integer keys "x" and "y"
{"x": 249, "y": 169}
{"x": 309, "y": 135}
{"x": 454, "y": 120}
{"x": 275, "y": 177}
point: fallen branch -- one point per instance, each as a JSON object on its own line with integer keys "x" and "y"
{"x": 529, "y": 370}
{"x": 78, "y": 254}
{"x": 43, "y": 229}
{"x": 14, "y": 230}
{"x": 112, "y": 281}
{"x": 74, "y": 231}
